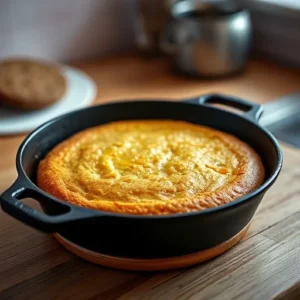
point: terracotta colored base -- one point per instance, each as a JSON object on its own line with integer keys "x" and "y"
{"x": 157, "y": 264}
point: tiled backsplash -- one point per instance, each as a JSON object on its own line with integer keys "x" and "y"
{"x": 65, "y": 30}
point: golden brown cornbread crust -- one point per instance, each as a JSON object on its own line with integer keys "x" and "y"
{"x": 150, "y": 167}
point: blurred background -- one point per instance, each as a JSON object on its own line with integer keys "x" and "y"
{"x": 66, "y": 30}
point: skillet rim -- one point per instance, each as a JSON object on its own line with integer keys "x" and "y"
{"x": 97, "y": 213}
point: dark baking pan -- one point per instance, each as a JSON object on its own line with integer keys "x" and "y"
{"x": 142, "y": 236}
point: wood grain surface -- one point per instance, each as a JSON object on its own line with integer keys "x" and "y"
{"x": 265, "y": 264}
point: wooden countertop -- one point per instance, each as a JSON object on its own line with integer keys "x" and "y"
{"x": 265, "y": 264}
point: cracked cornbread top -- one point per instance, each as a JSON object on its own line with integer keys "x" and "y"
{"x": 150, "y": 167}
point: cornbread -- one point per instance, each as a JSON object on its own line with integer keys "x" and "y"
{"x": 150, "y": 167}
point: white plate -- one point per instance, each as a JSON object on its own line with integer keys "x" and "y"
{"x": 81, "y": 92}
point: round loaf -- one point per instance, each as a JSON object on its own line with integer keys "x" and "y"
{"x": 150, "y": 167}
{"x": 30, "y": 84}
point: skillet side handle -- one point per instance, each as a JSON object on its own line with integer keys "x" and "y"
{"x": 11, "y": 204}
{"x": 252, "y": 111}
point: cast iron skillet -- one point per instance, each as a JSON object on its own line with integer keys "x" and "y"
{"x": 142, "y": 236}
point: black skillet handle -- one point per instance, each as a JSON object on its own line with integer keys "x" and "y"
{"x": 64, "y": 212}
{"x": 252, "y": 111}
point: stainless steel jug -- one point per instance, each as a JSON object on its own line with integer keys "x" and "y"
{"x": 210, "y": 42}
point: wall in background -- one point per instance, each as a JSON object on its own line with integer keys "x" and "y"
{"x": 65, "y": 30}
{"x": 276, "y": 26}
